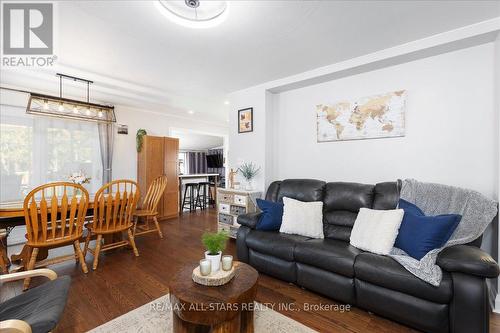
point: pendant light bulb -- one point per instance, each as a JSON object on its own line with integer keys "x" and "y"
{"x": 99, "y": 114}
{"x": 88, "y": 111}
{"x": 61, "y": 107}
{"x": 45, "y": 105}
{"x": 75, "y": 110}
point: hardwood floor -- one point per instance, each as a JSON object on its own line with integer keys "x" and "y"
{"x": 123, "y": 282}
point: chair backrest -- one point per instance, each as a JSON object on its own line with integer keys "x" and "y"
{"x": 114, "y": 205}
{"x": 55, "y": 212}
{"x": 155, "y": 191}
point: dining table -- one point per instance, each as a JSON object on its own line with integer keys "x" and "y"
{"x": 12, "y": 215}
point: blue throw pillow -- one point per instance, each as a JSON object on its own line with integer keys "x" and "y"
{"x": 419, "y": 234}
{"x": 408, "y": 207}
{"x": 272, "y": 214}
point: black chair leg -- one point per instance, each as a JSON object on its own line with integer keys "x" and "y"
{"x": 205, "y": 195}
{"x": 184, "y": 198}
{"x": 199, "y": 196}
{"x": 191, "y": 200}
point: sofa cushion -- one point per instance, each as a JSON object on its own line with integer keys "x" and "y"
{"x": 301, "y": 189}
{"x": 41, "y": 307}
{"x": 386, "y": 195}
{"x": 274, "y": 243}
{"x": 341, "y": 206}
{"x": 273, "y": 190}
{"x": 329, "y": 254}
{"x": 348, "y": 196}
{"x": 386, "y": 272}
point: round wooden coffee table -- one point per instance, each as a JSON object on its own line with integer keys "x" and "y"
{"x": 226, "y": 308}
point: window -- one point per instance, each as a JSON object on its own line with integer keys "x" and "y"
{"x": 35, "y": 150}
{"x": 183, "y": 164}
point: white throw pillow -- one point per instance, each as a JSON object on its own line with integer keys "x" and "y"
{"x": 376, "y": 230}
{"x": 302, "y": 218}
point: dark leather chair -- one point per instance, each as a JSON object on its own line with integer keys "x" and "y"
{"x": 334, "y": 268}
{"x": 38, "y": 309}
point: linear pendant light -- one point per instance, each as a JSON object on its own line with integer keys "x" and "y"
{"x": 60, "y": 107}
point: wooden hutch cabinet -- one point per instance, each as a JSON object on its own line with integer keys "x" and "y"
{"x": 159, "y": 156}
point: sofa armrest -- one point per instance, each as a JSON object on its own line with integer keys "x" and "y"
{"x": 14, "y": 326}
{"x": 468, "y": 259}
{"x": 249, "y": 220}
{"x": 48, "y": 273}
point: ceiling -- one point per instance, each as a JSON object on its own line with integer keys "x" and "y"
{"x": 139, "y": 58}
{"x": 196, "y": 141}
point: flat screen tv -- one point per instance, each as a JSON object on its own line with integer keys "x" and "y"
{"x": 215, "y": 161}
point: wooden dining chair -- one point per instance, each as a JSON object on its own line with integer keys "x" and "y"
{"x": 54, "y": 214}
{"x": 149, "y": 208}
{"x": 114, "y": 207}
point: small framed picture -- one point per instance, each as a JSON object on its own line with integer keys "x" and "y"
{"x": 245, "y": 120}
{"x": 122, "y": 129}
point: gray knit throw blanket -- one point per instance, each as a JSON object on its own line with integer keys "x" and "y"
{"x": 434, "y": 199}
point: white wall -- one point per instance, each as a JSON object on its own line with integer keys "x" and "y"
{"x": 450, "y": 125}
{"x": 125, "y": 154}
{"x": 452, "y": 120}
{"x": 248, "y": 147}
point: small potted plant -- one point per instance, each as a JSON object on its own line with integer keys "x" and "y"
{"x": 215, "y": 243}
{"x": 249, "y": 171}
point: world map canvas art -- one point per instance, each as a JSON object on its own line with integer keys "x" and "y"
{"x": 377, "y": 116}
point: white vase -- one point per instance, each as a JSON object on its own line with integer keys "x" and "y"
{"x": 249, "y": 185}
{"x": 215, "y": 260}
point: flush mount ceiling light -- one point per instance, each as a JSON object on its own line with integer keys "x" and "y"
{"x": 69, "y": 108}
{"x": 194, "y": 13}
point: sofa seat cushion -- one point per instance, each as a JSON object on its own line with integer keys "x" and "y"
{"x": 274, "y": 243}
{"x": 329, "y": 254}
{"x": 41, "y": 307}
{"x": 386, "y": 272}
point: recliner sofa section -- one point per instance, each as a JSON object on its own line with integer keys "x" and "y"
{"x": 334, "y": 268}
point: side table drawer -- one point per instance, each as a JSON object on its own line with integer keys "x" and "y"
{"x": 240, "y": 200}
{"x": 226, "y": 197}
{"x": 224, "y": 208}
{"x": 237, "y": 210}
{"x": 226, "y": 219}
{"x": 224, "y": 227}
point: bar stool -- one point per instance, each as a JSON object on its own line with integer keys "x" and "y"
{"x": 189, "y": 193}
{"x": 201, "y": 198}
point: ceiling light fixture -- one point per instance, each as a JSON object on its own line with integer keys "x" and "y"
{"x": 190, "y": 111}
{"x": 61, "y": 107}
{"x": 226, "y": 102}
{"x": 198, "y": 14}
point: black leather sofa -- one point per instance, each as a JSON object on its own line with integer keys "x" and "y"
{"x": 334, "y": 268}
